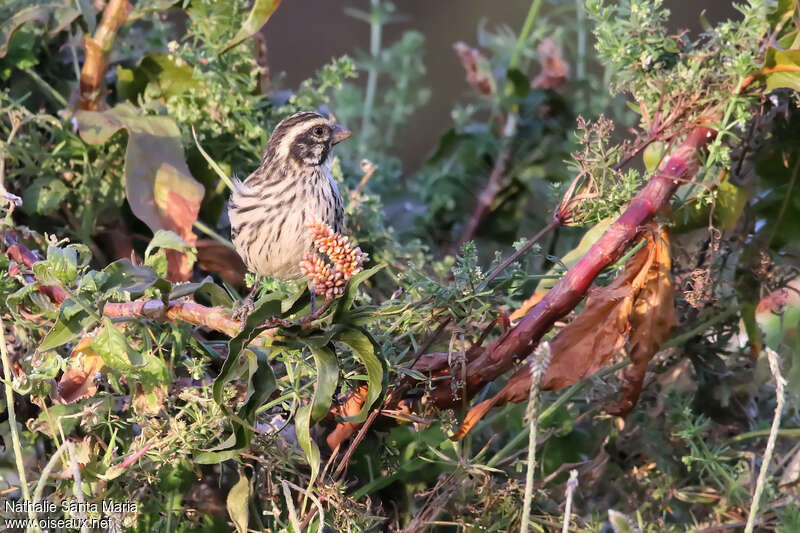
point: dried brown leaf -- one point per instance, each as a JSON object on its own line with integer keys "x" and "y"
{"x": 215, "y": 257}
{"x": 477, "y": 67}
{"x": 637, "y": 309}
{"x": 652, "y": 319}
{"x": 555, "y": 70}
{"x": 78, "y": 380}
{"x": 589, "y": 342}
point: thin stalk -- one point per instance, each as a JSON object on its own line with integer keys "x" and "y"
{"x": 580, "y": 63}
{"x": 77, "y": 488}
{"x": 541, "y": 359}
{"x": 780, "y": 397}
{"x": 791, "y": 433}
{"x": 526, "y": 31}
{"x": 516, "y": 255}
{"x": 12, "y": 418}
{"x": 553, "y": 407}
{"x": 74, "y": 297}
{"x": 45, "y": 474}
{"x": 786, "y": 199}
{"x": 375, "y": 31}
{"x": 213, "y": 234}
{"x": 51, "y": 92}
{"x": 213, "y": 164}
{"x": 572, "y": 484}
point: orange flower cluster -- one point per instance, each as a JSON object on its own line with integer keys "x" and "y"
{"x": 329, "y": 278}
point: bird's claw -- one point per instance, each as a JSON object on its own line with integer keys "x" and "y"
{"x": 244, "y": 310}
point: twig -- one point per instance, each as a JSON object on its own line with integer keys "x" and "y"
{"x": 77, "y": 488}
{"x": 287, "y": 495}
{"x": 485, "y": 198}
{"x": 524, "y": 248}
{"x": 135, "y": 456}
{"x": 12, "y": 419}
{"x": 780, "y": 396}
{"x": 318, "y": 507}
{"x": 541, "y": 359}
{"x": 572, "y": 484}
{"x": 98, "y": 49}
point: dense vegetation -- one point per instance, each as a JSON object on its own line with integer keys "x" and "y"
{"x": 459, "y": 380}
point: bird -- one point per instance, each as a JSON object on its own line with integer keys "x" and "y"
{"x": 291, "y": 187}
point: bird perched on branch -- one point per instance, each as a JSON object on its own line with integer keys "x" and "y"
{"x": 291, "y": 187}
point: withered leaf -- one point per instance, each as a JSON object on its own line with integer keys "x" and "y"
{"x": 477, "y": 67}
{"x": 637, "y": 309}
{"x": 78, "y": 380}
{"x": 215, "y": 257}
{"x": 590, "y": 341}
{"x": 160, "y": 189}
{"x": 555, "y": 70}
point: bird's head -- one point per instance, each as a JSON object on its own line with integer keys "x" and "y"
{"x": 306, "y": 137}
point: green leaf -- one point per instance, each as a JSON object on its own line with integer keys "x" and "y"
{"x": 145, "y": 368}
{"x": 130, "y": 83}
{"x": 787, "y": 59}
{"x": 620, "y": 523}
{"x": 61, "y": 266}
{"x": 70, "y": 323}
{"x": 9, "y": 26}
{"x": 783, "y": 10}
{"x": 169, "y": 240}
{"x": 265, "y": 308}
{"x": 237, "y": 503}
{"x": 259, "y": 15}
{"x": 351, "y": 290}
{"x": 159, "y": 187}
{"x": 111, "y": 345}
{"x": 172, "y": 78}
{"x": 125, "y": 276}
{"x": 58, "y": 14}
{"x": 261, "y": 383}
{"x": 327, "y": 380}
{"x": 303, "y": 428}
{"x": 206, "y": 289}
{"x": 21, "y": 54}
{"x": 369, "y": 353}
{"x": 518, "y": 82}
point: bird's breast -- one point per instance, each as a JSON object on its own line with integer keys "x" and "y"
{"x": 268, "y": 220}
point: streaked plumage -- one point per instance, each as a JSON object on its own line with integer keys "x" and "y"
{"x": 291, "y": 187}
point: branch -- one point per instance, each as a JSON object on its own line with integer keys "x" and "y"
{"x": 216, "y": 318}
{"x": 98, "y": 48}
{"x": 567, "y": 293}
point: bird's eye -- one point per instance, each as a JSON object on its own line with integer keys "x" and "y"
{"x": 318, "y": 130}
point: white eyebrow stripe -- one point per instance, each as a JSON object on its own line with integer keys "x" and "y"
{"x": 295, "y": 131}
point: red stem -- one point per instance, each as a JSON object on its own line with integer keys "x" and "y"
{"x": 23, "y": 256}
{"x": 567, "y": 293}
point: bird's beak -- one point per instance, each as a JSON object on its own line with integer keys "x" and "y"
{"x": 340, "y": 133}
